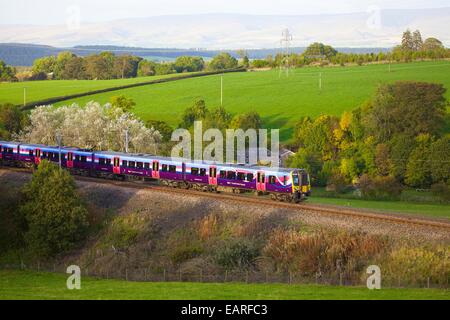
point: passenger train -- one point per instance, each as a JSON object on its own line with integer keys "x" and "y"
{"x": 291, "y": 185}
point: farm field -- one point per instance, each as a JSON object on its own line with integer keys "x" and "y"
{"x": 39, "y": 90}
{"x": 280, "y": 100}
{"x": 33, "y": 285}
{"x": 422, "y": 209}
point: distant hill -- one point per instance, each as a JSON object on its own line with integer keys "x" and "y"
{"x": 19, "y": 54}
{"x": 217, "y": 31}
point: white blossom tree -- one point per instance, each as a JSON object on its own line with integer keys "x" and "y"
{"x": 93, "y": 127}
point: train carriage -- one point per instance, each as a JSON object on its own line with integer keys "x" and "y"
{"x": 281, "y": 184}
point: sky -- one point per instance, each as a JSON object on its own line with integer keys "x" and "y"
{"x": 54, "y": 12}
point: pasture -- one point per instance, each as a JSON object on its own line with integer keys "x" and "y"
{"x": 280, "y": 100}
{"x": 13, "y": 92}
{"x": 26, "y": 285}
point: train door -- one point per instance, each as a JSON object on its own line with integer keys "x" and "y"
{"x": 183, "y": 173}
{"x": 116, "y": 165}
{"x": 69, "y": 163}
{"x": 261, "y": 181}
{"x": 37, "y": 156}
{"x": 155, "y": 171}
{"x": 212, "y": 176}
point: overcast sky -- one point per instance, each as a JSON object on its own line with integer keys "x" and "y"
{"x": 50, "y": 12}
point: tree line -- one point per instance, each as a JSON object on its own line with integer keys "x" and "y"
{"x": 412, "y": 48}
{"x": 106, "y": 65}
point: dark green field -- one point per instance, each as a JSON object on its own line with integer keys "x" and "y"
{"x": 32, "y": 285}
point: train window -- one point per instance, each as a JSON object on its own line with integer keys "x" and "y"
{"x": 164, "y": 168}
{"x": 108, "y": 162}
{"x": 194, "y": 171}
{"x": 172, "y": 168}
{"x": 139, "y": 165}
{"x": 77, "y": 158}
{"x": 147, "y": 165}
{"x": 231, "y": 175}
{"x": 261, "y": 178}
{"x": 272, "y": 179}
{"x": 155, "y": 166}
{"x": 249, "y": 176}
{"x": 83, "y": 158}
{"x": 124, "y": 163}
{"x": 30, "y": 152}
{"x": 131, "y": 164}
{"x": 101, "y": 161}
{"x": 223, "y": 174}
{"x": 203, "y": 172}
{"x": 10, "y": 150}
{"x": 285, "y": 179}
{"x": 241, "y": 176}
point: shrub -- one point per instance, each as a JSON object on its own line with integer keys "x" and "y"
{"x": 416, "y": 265}
{"x": 185, "y": 253}
{"x": 323, "y": 252}
{"x": 379, "y": 188}
{"x": 236, "y": 254}
{"x": 441, "y": 190}
{"x": 123, "y": 232}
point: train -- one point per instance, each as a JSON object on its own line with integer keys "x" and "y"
{"x": 282, "y": 184}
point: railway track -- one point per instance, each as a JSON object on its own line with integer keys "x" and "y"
{"x": 263, "y": 201}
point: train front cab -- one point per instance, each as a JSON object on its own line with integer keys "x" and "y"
{"x": 301, "y": 185}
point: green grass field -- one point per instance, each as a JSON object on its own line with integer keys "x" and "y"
{"x": 32, "y": 285}
{"x": 422, "y": 209}
{"x": 39, "y": 90}
{"x": 281, "y": 101}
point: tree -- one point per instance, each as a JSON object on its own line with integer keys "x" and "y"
{"x": 60, "y": 63}
{"x": 74, "y": 68}
{"x": 406, "y": 107}
{"x": 407, "y": 40}
{"x": 223, "y": 61}
{"x": 55, "y": 216}
{"x": 417, "y": 41}
{"x": 11, "y": 119}
{"x": 432, "y": 44}
{"x": 382, "y": 160}
{"x": 94, "y": 126}
{"x": 146, "y": 68}
{"x": 218, "y": 118}
{"x": 188, "y": 64}
{"x": 197, "y": 111}
{"x": 440, "y": 160}
{"x": 418, "y": 172}
{"x": 401, "y": 146}
{"x": 247, "y": 120}
{"x": 123, "y": 103}
{"x": 162, "y": 127}
{"x": 318, "y": 50}
{"x": 125, "y": 66}
{"x": 7, "y": 73}
{"x": 44, "y": 64}
{"x": 100, "y": 66}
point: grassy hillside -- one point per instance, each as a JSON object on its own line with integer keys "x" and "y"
{"x": 279, "y": 99}
{"x": 32, "y": 285}
{"x": 39, "y": 90}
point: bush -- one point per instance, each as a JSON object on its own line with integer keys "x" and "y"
{"x": 379, "y": 188}
{"x": 441, "y": 190}
{"x": 185, "y": 253}
{"x": 123, "y": 232}
{"x": 323, "y": 253}
{"x": 415, "y": 266}
{"x": 236, "y": 254}
{"x": 337, "y": 183}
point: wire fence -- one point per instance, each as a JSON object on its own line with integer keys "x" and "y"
{"x": 231, "y": 276}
